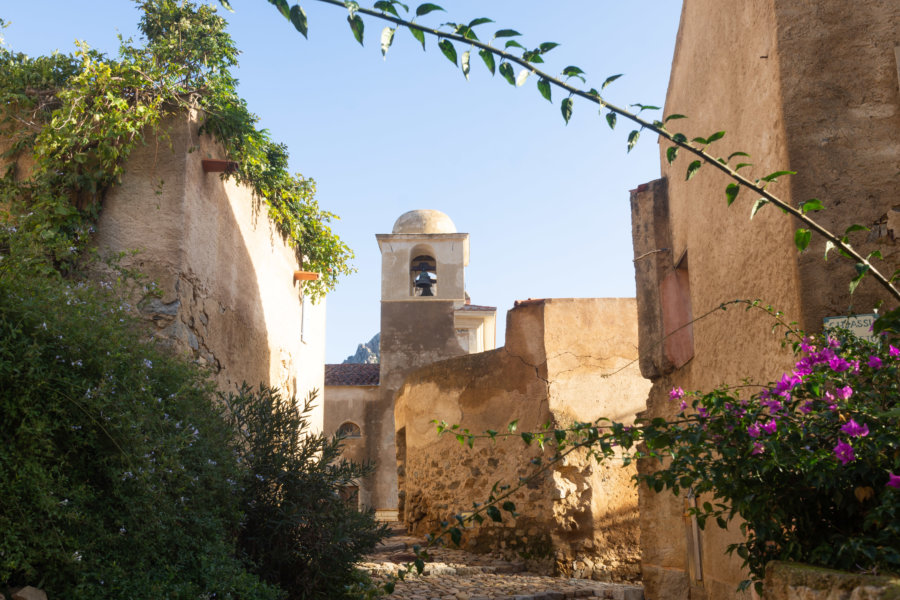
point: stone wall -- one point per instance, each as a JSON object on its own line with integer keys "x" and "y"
{"x": 792, "y": 581}
{"x": 226, "y": 295}
{"x": 806, "y": 86}
{"x": 578, "y": 518}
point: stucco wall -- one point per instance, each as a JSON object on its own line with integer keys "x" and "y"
{"x": 350, "y": 403}
{"x": 225, "y": 276}
{"x": 806, "y": 86}
{"x": 578, "y": 518}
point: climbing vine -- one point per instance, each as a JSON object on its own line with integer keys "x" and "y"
{"x": 510, "y": 53}
{"x": 70, "y": 122}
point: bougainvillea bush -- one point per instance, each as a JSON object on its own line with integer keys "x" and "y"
{"x": 809, "y": 463}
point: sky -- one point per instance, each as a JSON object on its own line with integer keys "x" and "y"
{"x": 546, "y": 204}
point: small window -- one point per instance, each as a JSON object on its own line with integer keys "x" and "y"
{"x": 349, "y": 430}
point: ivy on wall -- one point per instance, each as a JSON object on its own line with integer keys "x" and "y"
{"x": 78, "y": 117}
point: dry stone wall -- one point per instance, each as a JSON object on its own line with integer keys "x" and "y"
{"x": 576, "y": 518}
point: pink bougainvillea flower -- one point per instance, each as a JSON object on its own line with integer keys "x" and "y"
{"x": 788, "y": 382}
{"x": 838, "y": 364}
{"x": 676, "y": 393}
{"x": 893, "y": 480}
{"x": 833, "y": 342}
{"x": 854, "y": 429}
{"x": 758, "y": 448}
{"x": 703, "y": 412}
{"x": 774, "y": 406}
{"x": 854, "y": 367}
{"x": 893, "y": 352}
{"x": 843, "y": 393}
{"x": 874, "y": 362}
{"x": 770, "y": 427}
{"x": 806, "y": 345}
{"x": 683, "y": 405}
{"x": 753, "y": 431}
{"x": 844, "y": 452}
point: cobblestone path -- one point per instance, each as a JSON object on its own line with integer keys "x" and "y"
{"x": 457, "y": 575}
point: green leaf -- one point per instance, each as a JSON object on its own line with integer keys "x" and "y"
{"x": 771, "y": 177}
{"x": 802, "y": 238}
{"x": 692, "y": 169}
{"x": 854, "y": 227}
{"x": 731, "y": 192}
{"x": 448, "y": 50}
{"x": 298, "y": 18}
{"x": 509, "y": 507}
{"x": 733, "y": 154}
{"x": 352, "y": 6}
{"x": 523, "y": 75}
{"x": 527, "y": 437}
{"x": 714, "y": 137}
{"x": 633, "y": 138}
{"x": 671, "y": 153}
{"x": 283, "y": 8}
{"x": 494, "y": 513}
{"x": 548, "y": 46}
{"x": 479, "y": 21}
{"x": 566, "y": 109}
{"x": 386, "y": 7}
{"x": 611, "y": 119}
{"x": 420, "y": 566}
{"x": 419, "y": 35}
{"x": 758, "y": 205}
{"x": 464, "y": 63}
{"x": 811, "y": 205}
{"x": 426, "y": 8}
{"x": 862, "y": 269}
{"x": 700, "y": 140}
{"x": 503, "y": 33}
{"x": 507, "y": 71}
{"x": 387, "y": 38}
{"x": 572, "y": 71}
{"x": 227, "y": 5}
{"x": 740, "y": 166}
{"x": 543, "y": 86}
{"x": 609, "y": 80}
{"x": 357, "y": 26}
{"x": 673, "y": 117}
{"x": 829, "y": 246}
{"x": 488, "y": 57}
{"x": 514, "y": 44}
{"x": 513, "y": 425}
{"x": 679, "y": 138}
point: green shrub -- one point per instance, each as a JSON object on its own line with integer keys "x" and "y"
{"x": 297, "y": 532}
{"x": 117, "y": 468}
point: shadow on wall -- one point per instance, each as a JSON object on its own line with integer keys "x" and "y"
{"x": 224, "y": 276}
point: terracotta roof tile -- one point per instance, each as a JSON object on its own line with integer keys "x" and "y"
{"x": 352, "y": 374}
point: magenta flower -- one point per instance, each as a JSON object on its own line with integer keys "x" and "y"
{"x": 770, "y": 427}
{"x": 893, "y": 480}
{"x": 753, "y": 431}
{"x": 844, "y": 452}
{"x": 683, "y": 405}
{"x": 843, "y": 393}
{"x": 787, "y": 383}
{"x": 894, "y": 352}
{"x": 874, "y": 362}
{"x": 854, "y": 367}
{"x": 806, "y": 345}
{"x": 833, "y": 342}
{"x": 854, "y": 429}
{"x": 703, "y": 412}
{"x": 838, "y": 364}
{"x": 758, "y": 448}
{"x": 807, "y": 407}
{"x": 676, "y": 393}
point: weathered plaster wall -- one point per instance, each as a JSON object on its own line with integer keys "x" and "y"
{"x": 225, "y": 276}
{"x": 350, "y": 403}
{"x": 806, "y": 86}
{"x": 579, "y": 518}
{"x": 413, "y": 333}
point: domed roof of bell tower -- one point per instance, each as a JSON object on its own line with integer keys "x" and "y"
{"x": 424, "y": 221}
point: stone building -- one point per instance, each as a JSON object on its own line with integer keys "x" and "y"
{"x": 420, "y": 324}
{"x": 227, "y": 292}
{"x": 813, "y": 87}
{"x": 565, "y": 360}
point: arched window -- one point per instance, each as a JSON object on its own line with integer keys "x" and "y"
{"x": 423, "y": 270}
{"x": 349, "y": 430}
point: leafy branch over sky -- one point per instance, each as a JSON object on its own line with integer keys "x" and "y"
{"x": 572, "y": 83}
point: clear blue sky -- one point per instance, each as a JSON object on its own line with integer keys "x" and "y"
{"x": 546, "y": 204}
